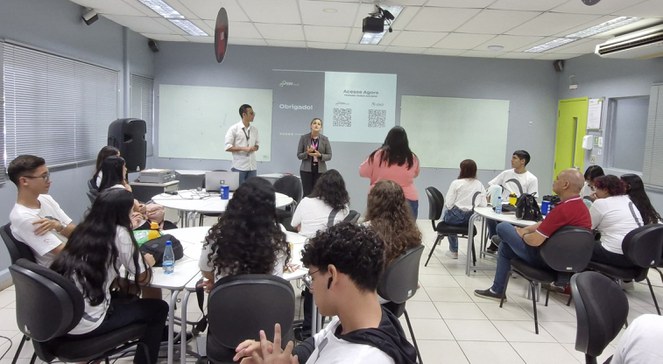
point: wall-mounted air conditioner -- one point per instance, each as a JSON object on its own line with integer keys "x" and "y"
{"x": 641, "y": 44}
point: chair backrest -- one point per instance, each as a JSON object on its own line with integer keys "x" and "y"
{"x": 353, "y": 217}
{"x": 601, "y": 311}
{"x": 17, "y": 249}
{"x": 400, "y": 279}
{"x": 48, "y": 305}
{"x": 242, "y": 305}
{"x": 435, "y": 204}
{"x": 643, "y": 245}
{"x": 569, "y": 249}
{"x": 289, "y": 185}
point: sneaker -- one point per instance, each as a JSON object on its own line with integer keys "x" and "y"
{"x": 452, "y": 255}
{"x": 496, "y": 240}
{"x": 553, "y": 287}
{"x": 487, "y": 293}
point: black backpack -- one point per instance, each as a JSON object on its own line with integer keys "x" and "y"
{"x": 527, "y": 208}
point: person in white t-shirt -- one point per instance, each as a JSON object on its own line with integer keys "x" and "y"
{"x": 96, "y": 250}
{"x": 613, "y": 215}
{"x": 36, "y": 219}
{"x": 243, "y": 142}
{"x": 526, "y": 180}
{"x": 460, "y": 200}
{"x": 313, "y": 212}
{"x": 345, "y": 264}
{"x": 641, "y": 342}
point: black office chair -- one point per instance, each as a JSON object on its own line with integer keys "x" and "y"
{"x": 643, "y": 247}
{"x": 435, "y": 207}
{"x": 17, "y": 250}
{"x": 567, "y": 251}
{"x": 601, "y": 312}
{"x": 399, "y": 283}
{"x": 242, "y": 305}
{"x": 291, "y": 186}
{"x": 49, "y": 305}
{"x": 353, "y": 217}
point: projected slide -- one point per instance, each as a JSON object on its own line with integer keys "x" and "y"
{"x": 193, "y": 120}
{"x": 359, "y": 107}
{"x": 443, "y": 131}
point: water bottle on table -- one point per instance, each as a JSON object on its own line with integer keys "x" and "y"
{"x": 168, "y": 262}
{"x": 498, "y": 206}
{"x": 224, "y": 190}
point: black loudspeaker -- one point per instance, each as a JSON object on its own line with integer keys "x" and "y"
{"x": 558, "y": 65}
{"x": 153, "y": 45}
{"x": 128, "y": 135}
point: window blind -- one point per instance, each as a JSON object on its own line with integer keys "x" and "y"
{"x": 652, "y": 173}
{"x": 55, "y": 107}
{"x": 142, "y": 105}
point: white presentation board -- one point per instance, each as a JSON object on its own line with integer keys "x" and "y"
{"x": 193, "y": 120}
{"x": 443, "y": 131}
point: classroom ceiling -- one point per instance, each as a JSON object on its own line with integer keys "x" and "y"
{"x": 467, "y": 28}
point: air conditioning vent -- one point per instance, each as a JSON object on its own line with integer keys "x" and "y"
{"x": 642, "y": 44}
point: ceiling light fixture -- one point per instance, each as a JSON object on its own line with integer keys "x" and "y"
{"x": 173, "y": 16}
{"x": 495, "y": 47}
{"x": 585, "y": 33}
{"x": 378, "y": 23}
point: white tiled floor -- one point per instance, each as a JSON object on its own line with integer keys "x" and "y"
{"x": 450, "y": 323}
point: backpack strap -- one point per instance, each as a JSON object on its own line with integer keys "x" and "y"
{"x": 631, "y": 207}
{"x": 332, "y": 216}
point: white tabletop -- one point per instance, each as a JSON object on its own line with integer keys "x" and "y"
{"x": 191, "y": 172}
{"x": 204, "y": 202}
{"x": 510, "y": 217}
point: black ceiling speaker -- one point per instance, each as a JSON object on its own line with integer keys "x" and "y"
{"x": 90, "y": 16}
{"x": 221, "y": 35}
{"x": 375, "y": 21}
{"x": 153, "y": 45}
{"x": 590, "y": 2}
{"x": 558, "y": 65}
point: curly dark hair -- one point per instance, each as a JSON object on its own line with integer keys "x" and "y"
{"x": 610, "y": 183}
{"x": 92, "y": 247}
{"x": 112, "y": 172}
{"x": 636, "y": 191}
{"x": 395, "y": 149}
{"x": 354, "y": 250}
{"x": 330, "y": 188}
{"x": 247, "y": 239}
{"x": 391, "y": 218}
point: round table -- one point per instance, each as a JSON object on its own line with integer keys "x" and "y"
{"x": 191, "y": 203}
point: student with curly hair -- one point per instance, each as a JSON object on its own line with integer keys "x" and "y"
{"x": 92, "y": 257}
{"x": 388, "y": 214}
{"x": 247, "y": 238}
{"x": 329, "y": 197}
{"x": 345, "y": 264}
{"x": 635, "y": 190}
{"x": 613, "y": 215}
{"x": 394, "y": 161}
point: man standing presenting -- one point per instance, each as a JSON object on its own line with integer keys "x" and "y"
{"x": 36, "y": 219}
{"x": 524, "y": 242}
{"x": 242, "y": 142}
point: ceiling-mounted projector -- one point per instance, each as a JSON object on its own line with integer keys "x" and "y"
{"x": 372, "y": 25}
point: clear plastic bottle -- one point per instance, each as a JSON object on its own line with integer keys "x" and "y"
{"x": 498, "y": 206}
{"x": 168, "y": 262}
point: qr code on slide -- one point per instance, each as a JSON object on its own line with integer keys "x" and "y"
{"x": 377, "y": 118}
{"x": 342, "y": 117}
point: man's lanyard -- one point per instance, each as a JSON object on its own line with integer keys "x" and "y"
{"x": 247, "y": 135}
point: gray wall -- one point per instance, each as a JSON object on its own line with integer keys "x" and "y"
{"x": 56, "y": 26}
{"x": 531, "y": 87}
{"x": 597, "y": 77}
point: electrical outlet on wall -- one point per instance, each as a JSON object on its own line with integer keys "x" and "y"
{"x": 600, "y": 142}
{"x": 599, "y": 151}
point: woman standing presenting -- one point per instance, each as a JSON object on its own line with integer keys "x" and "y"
{"x": 313, "y": 150}
{"x": 394, "y": 161}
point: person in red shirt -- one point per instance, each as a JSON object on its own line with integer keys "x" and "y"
{"x": 524, "y": 242}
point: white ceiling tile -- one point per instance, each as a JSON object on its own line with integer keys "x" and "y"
{"x": 440, "y": 20}
{"x": 199, "y": 39}
{"x": 515, "y": 55}
{"x": 365, "y": 47}
{"x": 603, "y": 7}
{"x": 286, "y": 43}
{"x": 646, "y": 9}
{"x": 416, "y": 39}
{"x": 177, "y": 5}
{"x": 272, "y": 11}
{"x": 496, "y": 21}
{"x": 555, "y": 56}
{"x": 140, "y": 24}
{"x": 580, "y": 46}
{"x": 317, "y": 13}
{"x": 535, "y": 5}
{"x": 405, "y": 17}
{"x": 208, "y": 9}
{"x": 510, "y": 42}
{"x": 551, "y": 23}
{"x": 473, "y": 4}
{"x": 243, "y": 30}
{"x": 326, "y": 34}
{"x": 443, "y": 52}
{"x": 410, "y": 50}
{"x": 245, "y": 41}
{"x": 108, "y": 7}
{"x": 279, "y": 31}
{"x": 480, "y": 54}
{"x": 165, "y": 37}
{"x": 323, "y": 45}
{"x": 462, "y": 40}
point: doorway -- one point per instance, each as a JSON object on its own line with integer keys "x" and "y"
{"x": 571, "y": 128}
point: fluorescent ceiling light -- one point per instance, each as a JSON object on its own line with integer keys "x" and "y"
{"x": 173, "y": 16}
{"x": 375, "y": 38}
{"x": 585, "y": 33}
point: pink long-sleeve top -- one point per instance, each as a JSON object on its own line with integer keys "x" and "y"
{"x": 399, "y": 174}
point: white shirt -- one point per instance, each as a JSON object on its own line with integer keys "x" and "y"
{"x": 313, "y": 214}
{"x": 612, "y": 217}
{"x": 207, "y": 265}
{"x": 22, "y": 217}
{"x": 641, "y": 343}
{"x": 94, "y": 315}
{"x": 331, "y": 350}
{"x": 461, "y": 191}
{"x": 527, "y": 180}
{"x": 239, "y": 136}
